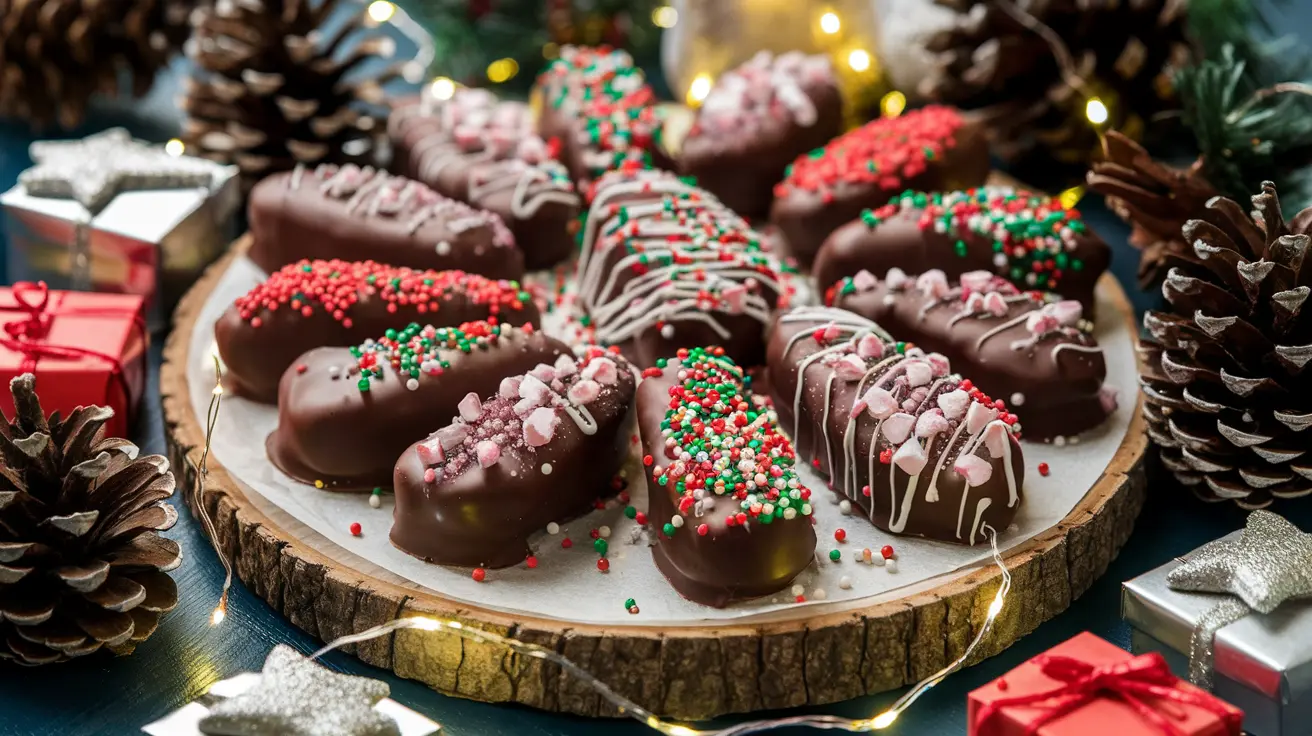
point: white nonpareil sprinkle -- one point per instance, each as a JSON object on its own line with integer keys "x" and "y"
{"x": 845, "y": 582}
{"x": 845, "y": 507}
{"x": 546, "y": 468}
{"x": 375, "y": 501}
{"x": 603, "y": 532}
{"x": 890, "y": 565}
{"x": 819, "y": 594}
{"x": 553, "y": 528}
{"x": 798, "y": 590}
{"x": 676, "y": 521}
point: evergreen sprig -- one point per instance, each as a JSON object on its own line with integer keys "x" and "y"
{"x": 1247, "y": 134}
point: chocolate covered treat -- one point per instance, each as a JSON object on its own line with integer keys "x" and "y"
{"x": 665, "y": 266}
{"x": 535, "y": 196}
{"x": 755, "y": 121}
{"x": 933, "y": 148}
{"x": 346, "y": 414}
{"x": 485, "y": 153}
{"x": 921, "y": 451}
{"x": 313, "y": 304}
{"x": 542, "y": 447}
{"x": 358, "y": 214}
{"x": 729, "y": 517}
{"x": 1035, "y": 353}
{"x": 1029, "y": 239}
{"x": 437, "y": 141}
{"x": 586, "y": 80}
{"x": 608, "y": 138}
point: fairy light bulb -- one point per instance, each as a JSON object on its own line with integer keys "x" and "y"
{"x": 830, "y": 23}
{"x": 892, "y": 104}
{"x": 1096, "y": 111}
{"x": 218, "y": 615}
{"x": 442, "y": 88}
{"x": 883, "y": 720}
{"x": 664, "y": 17}
{"x": 175, "y": 147}
{"x": 859, "y": 60}
{"x": 697, "y": 91}
{"x": 381, "y": 11}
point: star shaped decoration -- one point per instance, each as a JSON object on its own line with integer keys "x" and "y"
{"x": 296, "y": 697}
{"x": 1269, "y": 563}
{"x": 95, "y": 169}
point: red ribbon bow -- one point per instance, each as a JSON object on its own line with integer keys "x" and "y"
{"x": 1131, "y": 680}
{"x": 27, "y": 337}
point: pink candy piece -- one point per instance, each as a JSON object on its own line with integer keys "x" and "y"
{"x": 1108, "y": 398}
{"x": 864, "y": 281}
{"x": 1068, "y": 312}
{"x": 470, "y": 407}
{"x": 584, "y": 392}
{"x": 931, "y": 423}
{"x": 565, "y": 366}
{"x": 910, "y": 457}
{"x": 879, "y": 402}
{"x": 979, "y": 415}
{"x": 1039, "y": 323}
{"x": 850, "y": 368}
{"x": 976, "y": 280}
{"x": 532, "y": 389}
{"x": 995, "y": 303}
{"x": 830, "y": 332}
{"x": 953, "y": 403}
{"x": 540, "y": 426}
{"x": 996, "y": 437}
{"x": 869, "y": 346}
{"x": 919, "y": 372}
{"x": 488, "y": 453}
{"x": 601, "y": 370}
{"x": 509, "y": 388}
{"x": 939, "y": 362}
{"x": 430, "y": 475}
{"x": 933, "y": 283}
{"x": 543, "y": 372}
{"x": 898, "y": 427}
{"x": 974, "y": 303}
{"x": 975, "y": 469}
{"x": 734, "y": 298}
{"x": 430, "y": 451}
{"x": 896, "y": 278}
{"x": 452, "y": 435}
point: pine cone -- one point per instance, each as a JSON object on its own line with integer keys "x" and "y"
{"x": 81, "y": 566}
{"x": 1226, "y": 398}
{"x": 1156, "y": 199}
{"x": 56, "y": 54}
{"x": 270, "y": 94}
{"x": 1125, "y": 51}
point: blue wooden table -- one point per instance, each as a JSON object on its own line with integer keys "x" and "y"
{"x": 107, "y": 695}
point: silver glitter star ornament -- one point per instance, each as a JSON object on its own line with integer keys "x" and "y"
{"x": 1270, "y": 562}
{"x": 297, "y": 697}
{"x": 96, "y": 168}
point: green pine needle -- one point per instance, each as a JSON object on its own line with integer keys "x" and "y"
{"x": 1246, "y": 138}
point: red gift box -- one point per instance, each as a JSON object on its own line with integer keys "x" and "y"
{"x": 1086, "y": 686}
{"x": 85, "y": 349}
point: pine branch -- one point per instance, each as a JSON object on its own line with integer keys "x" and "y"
{"x": 1247, "y": 135}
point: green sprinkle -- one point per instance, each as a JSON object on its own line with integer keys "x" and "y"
{"x": 631, "y": 512}
{"x": 600, "y": 546}
{"x": 668, "y": 529}
{"x": 835, "y": 555}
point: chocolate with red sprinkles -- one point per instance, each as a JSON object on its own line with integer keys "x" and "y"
{"x": 932, "y": 148}
{"x": 730, "y": 517}
{"x": 940, "y": 457}
{"x": 474, "y": 491}
{"x": 311, "y": 304}
{"x": 354, "y": 410}
{"x": 1029, "y": 239}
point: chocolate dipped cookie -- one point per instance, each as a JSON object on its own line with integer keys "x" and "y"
{"x": 1028, "y": 239}
{"x": 755, "y": 121}
{"x": 1038, "y": 354}
{"x": 313, "y": 304}
{"x": 535, "y": 197}
{"x": 919, "y": 450}
{"x": 932, "y": 148}
{"x": 729, "y": 516}
{"x": 665, "y": 266}
{"x": 357, "y": 214}
{"x": 346, "y": 414}
{"x": 541, "y": 448}
{"x": 587, "y": 80}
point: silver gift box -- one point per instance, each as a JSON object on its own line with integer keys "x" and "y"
{"x": 1263, "y": 663}
{"x": 153, "y": 243}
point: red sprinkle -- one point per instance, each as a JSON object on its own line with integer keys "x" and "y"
{"x": 479, "y": 574}
{"x": 800, "y": 599}
{"x": 301, "y": 368}
{"x": 1043, "y": 469}
{"x": 531, "y": 561}
{"x": 566, "y": 543}
{"x": 356, "y": 529}
{"x": 640, "y": 517}
{"x": 886, "y": 552}
{"x": 603, "y": 564}
{"x": 703, "y": 530}
{"x": 840, "y": 534}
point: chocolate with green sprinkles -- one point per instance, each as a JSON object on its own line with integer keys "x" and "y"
{"x": 1029, "y": 239}
{"x": 352, "y": 411}
{"x": 731, "y": 518}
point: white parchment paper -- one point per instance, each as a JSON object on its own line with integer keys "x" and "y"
{"x": 566, "y": 584}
